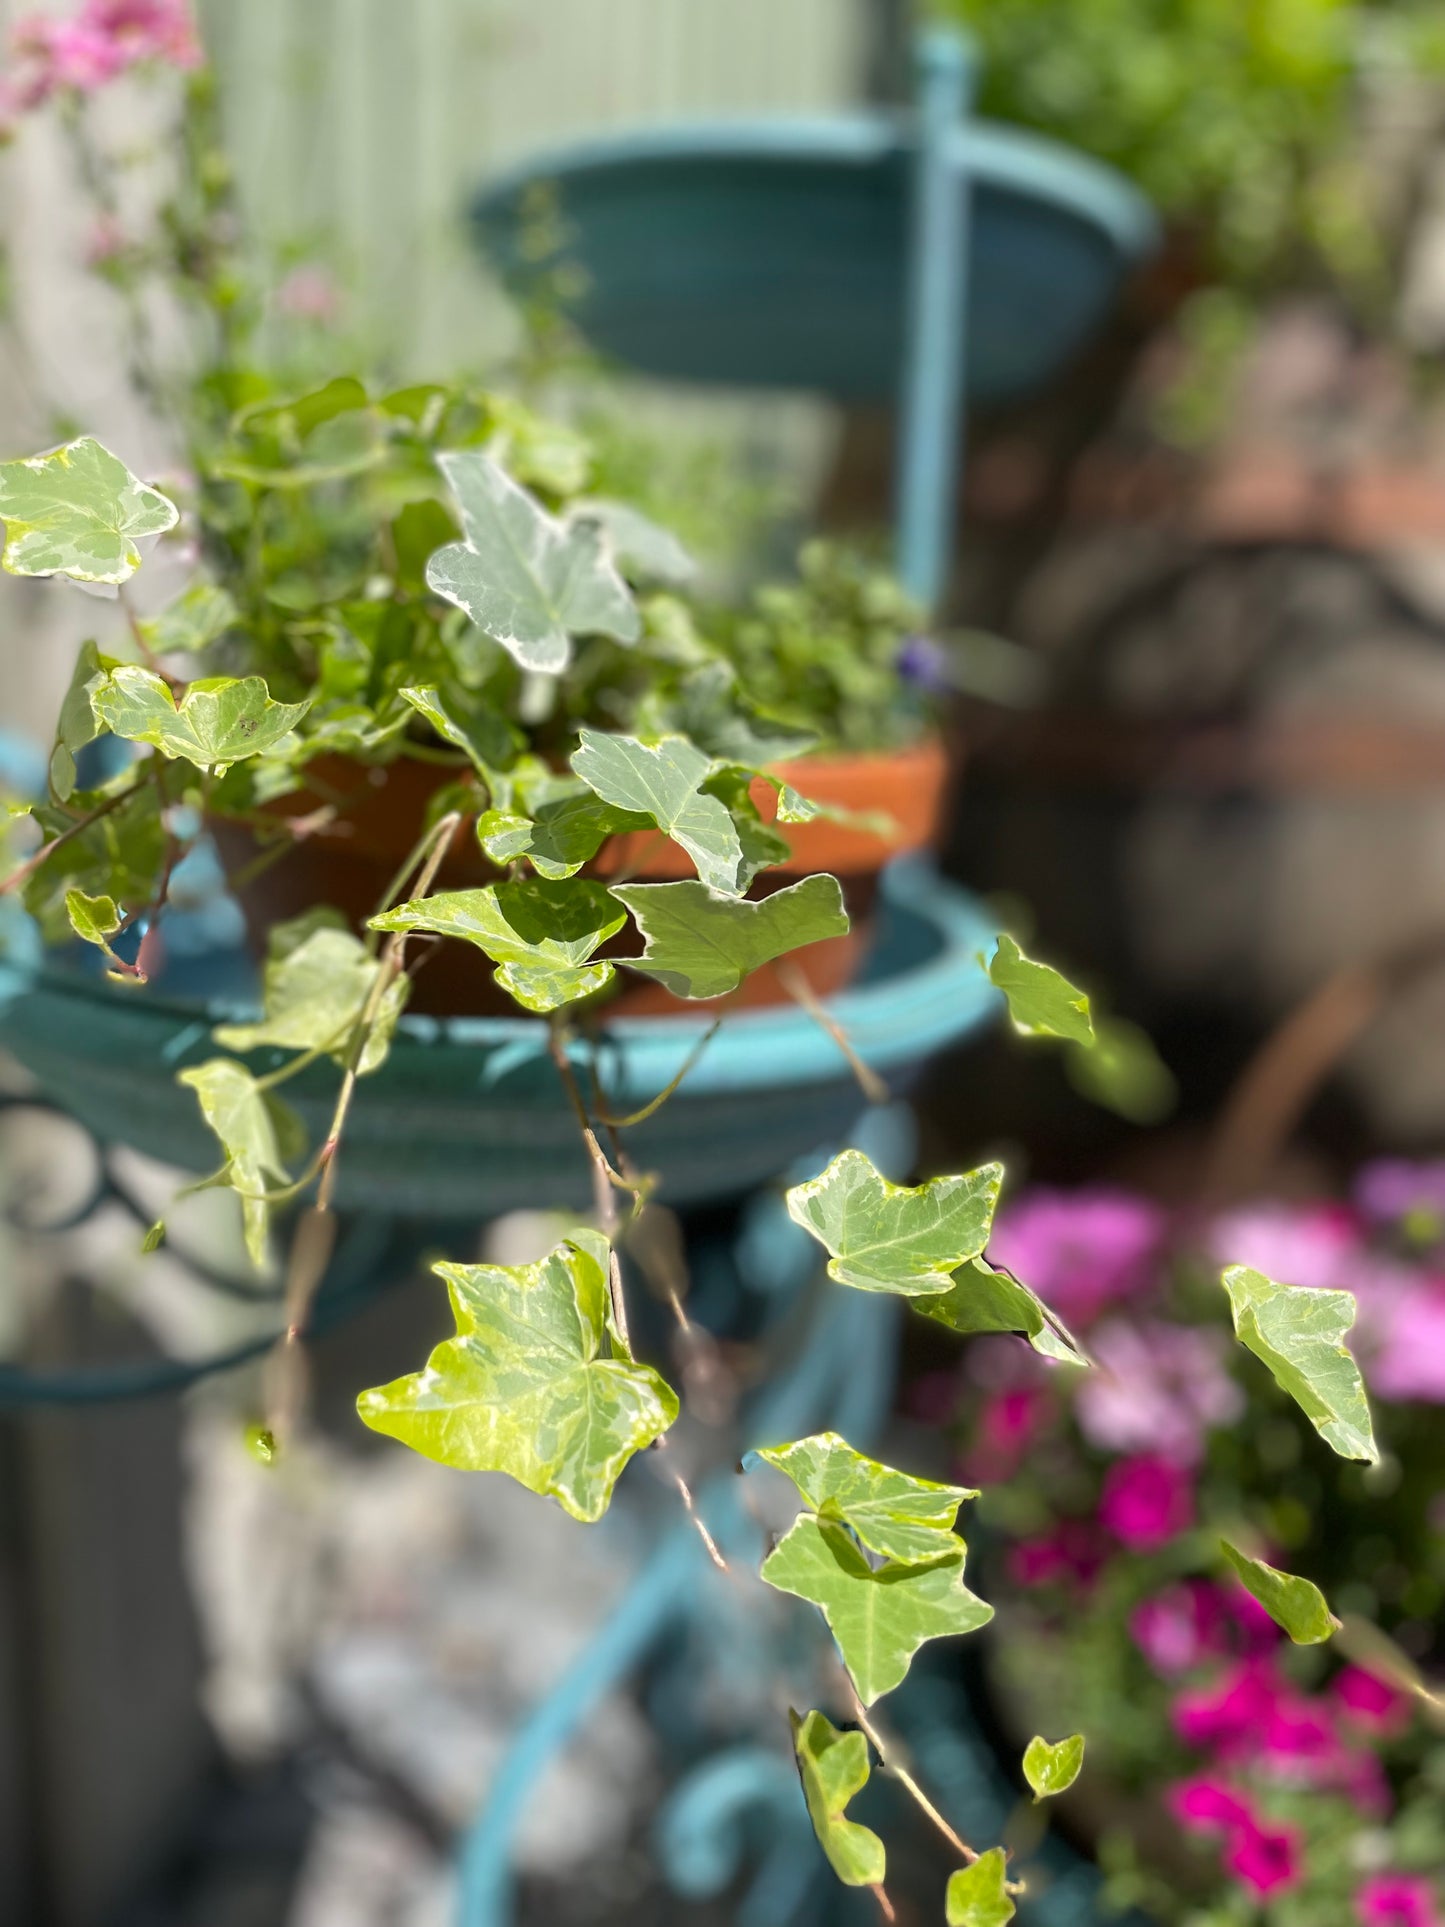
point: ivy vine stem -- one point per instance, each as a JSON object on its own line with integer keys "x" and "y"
{"x": 802, "y": 994}
{"x": 895, "y": 1770}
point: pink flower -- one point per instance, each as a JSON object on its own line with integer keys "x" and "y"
{"x": 1079, "y": 1250}
{"x": 1146, "y": 1501}
{"x": 107, "y": 240}
{"x": 147, "y": 30}
{"x": 59, "y": 54}
{"x": 1315, "y": 1245}
{"x": 1393, "y": 1189}
{"x": 1070, "y": 1551}
{"x": 1156, "y": 1387}
{"x": 1228, "y": 1717}
{"x": 309, "y": 293}
{"x": 1371, "y": 1704}
{"x": 1007, "y": 1425}
{"x": 1207, "y": 1806}
{"x": 1264, "y": 1858}
{"x": 1177, "y": 1629}
{"x": 1402, "y": 1337}
{"x": 1396, "y": 1900}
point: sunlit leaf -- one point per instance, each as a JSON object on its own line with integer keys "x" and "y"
{"x": 528, "y": 581}
{"x": 895, "y": 1237}
{"x": 483, "y": 736}
{"x": 1293, "y": 1603}
{"x": 702, "y": 944}
{"x": 78, "y": 511}
{"x": 1041, "y": 1002}
{"x": 154, "y": 1238}
{"x": 218, "y": 721}
{"x": 977, "y": 1894}
{"x": 255, "y": 1128}
{"x": 192, "y": 622}
{"x": 662, "y": 781}
{"x": 1053, "y": 1767}
{"x": 77, "y": 723}
{"x": 1123, "y": 1071}
{"x": 892, "y": 1512}
{"x": 565, "y": 833}
{"x": 833, "y": 1766}
{"x": 315, "y": 990}
{"x": 119, "y": 855}
{"x": 982, "y": 1298}
{"x": 879, "y": 1617}
{"x": 642, "y": 547}
{"x": 531, "y": 1384}
{"x": 713, "y": 712}
{"x": 762, "y": 845}
{"x": 1297, "y": 1332}
{"x": 541, "y": 933}
{"x": 93, "y": 919}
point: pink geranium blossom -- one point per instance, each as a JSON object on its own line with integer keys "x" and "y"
{"x": 1227, "y": 1717}
{"x": 1156, "y": 1387}
{"x": 1205, "y": 1805}
{"x": 1266, "y": 1859}
{"x": 1071, "y": 1551}
{"x": 1316, "y": 1244}
{"x": 83, "y": 53}
{"x": 1369, "y": 1704}
{"x": 1397, "y": 1900}
{"x": 1079, "y": 1250}
{"x": 1177, "y": 1630}
{"x": 1392, "y": 1190}
{"x": 1146, "y": 1501}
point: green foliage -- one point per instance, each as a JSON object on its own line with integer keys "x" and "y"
{"x": 977, "y": 1894}
{"x": 703, "y": 944}
{"x": 892, "y": 1513}
{"x": 537, "y": 1382}
{"x": 1052, "y": 1766}
{"x": 93, "y": 919}
{"x": 1041, "y": 1002}
{"x": 1293, "y": 1603}
{"x": 118, "y": 855}
{"x": 1296, "y": 1331}
{"x": 79, "y": 512}
{"x": 257, "y": 1132}
{"x": 663, "y": 781}
{"x": 985, "y": 1298}
{"x": 833, "y": 1766}
{"x": 196, "y": 618}
{"x": 318, "y": 980}
{"x": 77, "y": 723}
{"x": 218, "y": 721}
{"x": 893, "y": 1237}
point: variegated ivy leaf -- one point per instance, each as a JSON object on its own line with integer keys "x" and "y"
{"x": 833, "y": 1766}
{"x": 712, "y": 711}
{"x": 536, "y": 1383}
{"x": 78, "y": 511}
{"x": 702, "y": 944}
{"x": 541, "y": 934}
{"x": 565, "y": 832}
{"x": 762, "y": 846}
{"x": 191, "y": 623}
{"x": 1053, "y": 1767}
{"x": 896, "y": 1237}
{"x": 984, "y": 1299}
{"x": 978, "y": 1894}
{"x": 219, "y": 721}
{"x": 662, "y": 781}
{"x": 257, "y": 1132}
{"x": 318, "y": 978}
{"x": 643, "y": 548}
{"x": 892, "y": 1512}
{"x": 1041, "y": 1002}
{"x": 528, "y": 581}
{"x": 1297, "y": 1331}
{"x": 484, "y": 736}
{"x": 1291, "y": 1602}
{"x": 879, "y": 1617}
{"x": 77, "y": 723}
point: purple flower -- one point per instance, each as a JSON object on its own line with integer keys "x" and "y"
{"x": 1401, "y": 1334}
{"x": 1146, "y": 1502}
{"x": 1316, "y": 1245}
{"x": 1156, "y": 1387}
{"x": 924, "y": 662}
{"x": 1397, "y": 1900}
{"x": 1079, "y": 1250}
{"x": 1393, "y": 1189}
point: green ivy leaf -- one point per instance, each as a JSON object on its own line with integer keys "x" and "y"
{"x": 541, "y": 933}
{"x": 528, "y": 581}
{"x": 1293, "y": 1603}
{"x": 527, "y": 1385}
{"x": 977, "y": 1894}
{"x": 77, "y": 723}
{"x": 256, "y": 1131}
{"x": 702, "y": 944}
{"x": 892, "y": 1512}
{"x": 1122, "y": 1071}
{"x": 565, "y": 832}
{"x": 642, "y": 547}
{"x": 93, "y": 919}
{"x": 197, "y": 617}
{"x": 712, "y": 712}
{"x": 154, "y": 1238}
{"x": 1041, "y": 1002}
{"x": 833, "y": 1766}
{"x": 78, "y": 511}
{"x": 895, "y": 1237}
{"x": 761, "y": 845}
{"x": 315, "y": 990}
{"x": 219, "y": 720}
{"x": 484, "y": 736}
{"x": 982, "y": 1298}
{"x": 1296, "y": 1331}
{"x": 662, "y": 781}
{"x": 1053, "y": 1767}
{"x": 879, "y": 1618}
{"x": 119, "y": 855}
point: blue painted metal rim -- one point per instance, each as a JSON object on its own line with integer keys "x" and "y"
{"x": 993, "y": 156}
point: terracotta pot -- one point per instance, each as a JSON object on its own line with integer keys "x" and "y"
{"x": 380, "y": 810}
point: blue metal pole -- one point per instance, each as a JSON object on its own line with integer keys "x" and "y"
{"x": 930, "y": 423}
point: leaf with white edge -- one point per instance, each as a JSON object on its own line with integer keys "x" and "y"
{"x": 542, "y": 934}
{"x": 219, "y": 721}
{"x": 528, "y": 581}
{"x": 315, "y": 992}
{"x": 1041, "y": 1002}
{"x": 1291, "y": 1602}
{"x": 197, "y": 617}
{"x": 256, "y": 1130}
{"x": 93, "y": 919}
{"x": 762, "y": 846}
{"x": 643, "y": 547}
{"x": 662, "y": 782}
{"x": 833, "y": 1766}
{"x": 892, "y": 1512}
{"x": 484, "y": 738}
{"x": 1052, "y": 1767}
{"x": 527, "y": 1386}
{"x": 879, "y": 1617}
{"x": 984, "y": 1298}
{"x": 79, "y": 512}
{"x": 1296, "y": 1330}
{"x": 77, "y": 723}
{"x": 702, "y": 944}
{"x": 896, "y": 1237}
{"x": 564, "y": 834}
{"x": 978, "y": 1894}
{"x": 793, "y": 808}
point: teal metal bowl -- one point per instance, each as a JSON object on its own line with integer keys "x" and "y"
{"x": 467, "y": 1117}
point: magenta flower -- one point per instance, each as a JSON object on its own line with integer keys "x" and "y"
{"x": 1209, "y": 1806}
{"x": 1393, "y": 1189}
{"x": 1229, "y": 1716}
{"x": 1371, "y": 1704}
{"x": 1402, "y": 1336}
{"x": 1264, "y": 1858}
{"x": 1316, "y": 1245}
{"x": 1079, "y": 1250}
{"x": 1178, "y": 1629}
{"x": 147, "y": 30}
{"x": 1070, "y": 1552}
{"x": 1156, "y": 1387}
{"x": 1397, "y": 1900}
{"x": 1146, "y": 1501}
